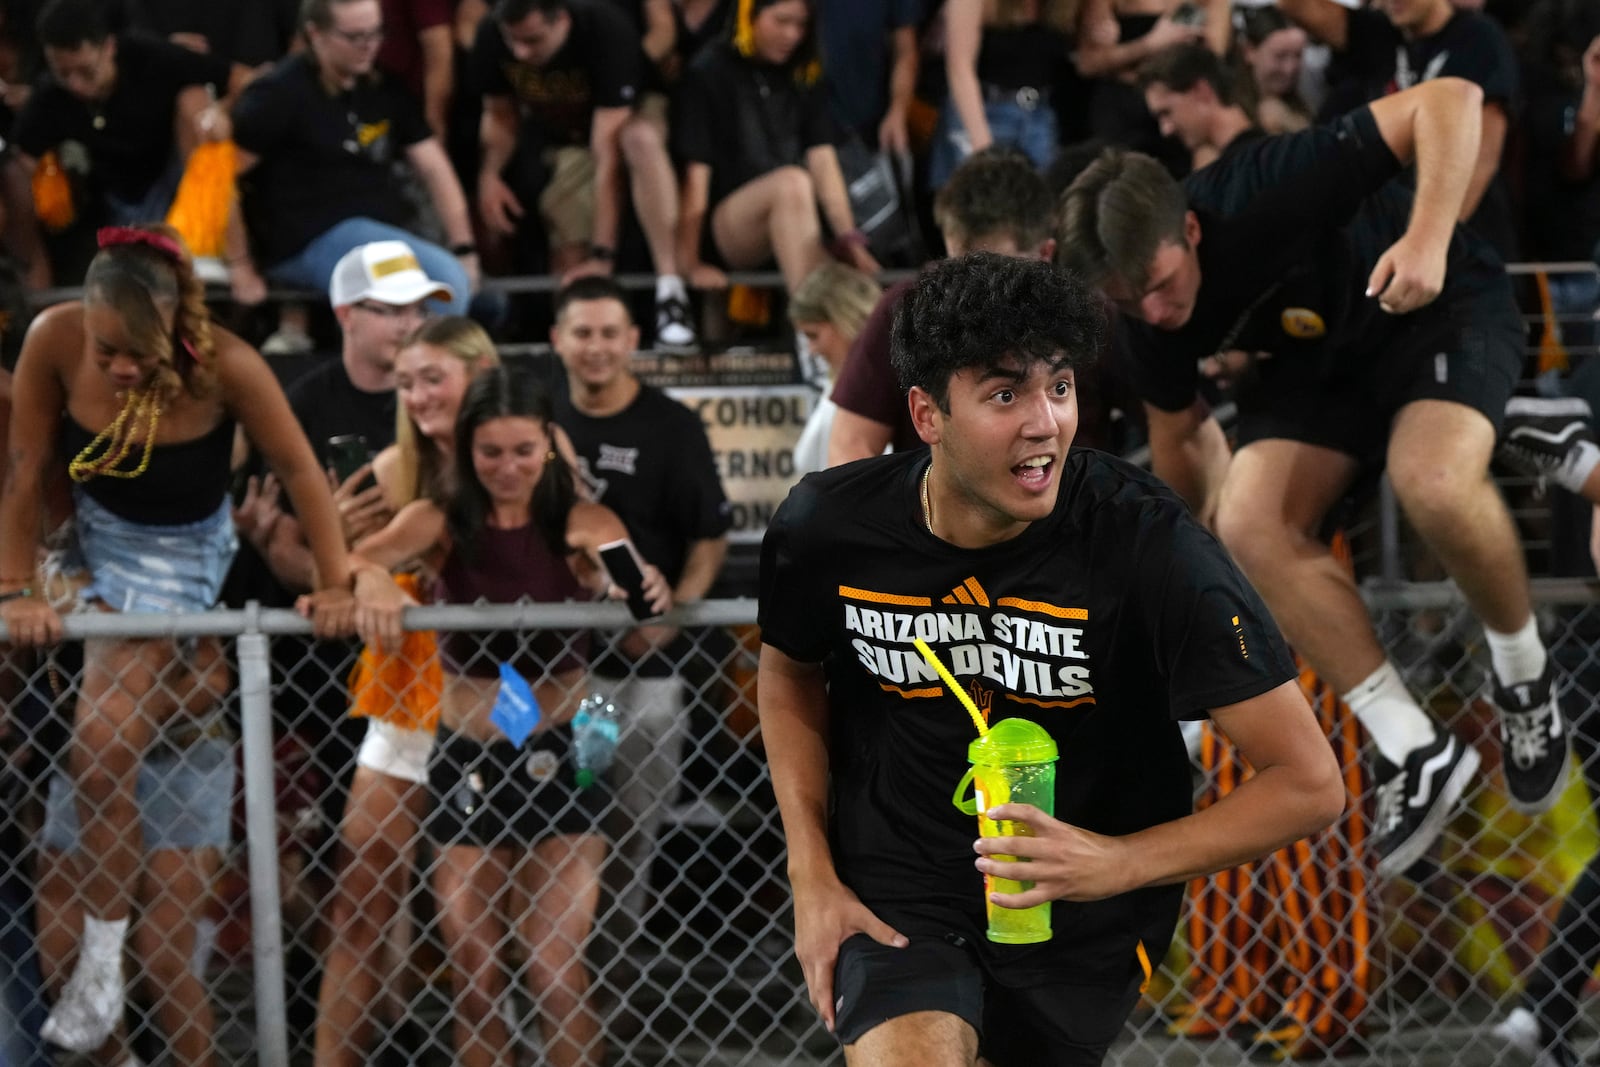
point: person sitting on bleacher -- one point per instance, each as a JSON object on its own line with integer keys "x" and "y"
{"x": 561, "y": 81}
{"x": 318, "y": 140}
{"x": 112, "y": 123}
{"x": 752, "y": 127}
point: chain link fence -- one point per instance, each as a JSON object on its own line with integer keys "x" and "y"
{"x": 333, "y": 918}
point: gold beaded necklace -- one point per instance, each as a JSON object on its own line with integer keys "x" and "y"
{"x": 116, "y": 442}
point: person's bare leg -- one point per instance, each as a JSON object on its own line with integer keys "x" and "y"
{"x": 560, "y": 886}
{"x": 1273, "y": 501}
{"x": 1439, "y": 465}
{"x": 174, "y": 892}
{"x": 654, "y": 188}
{"x": 773, "y": 215}
{"x": 1274, "y": 498}
{"x": 469, "y": 882}
{"x": 378, "y": 832}
{"x": 921, "y": 1039}
{"x": 1439, "y": 461}
{"x": 128, "y": 690}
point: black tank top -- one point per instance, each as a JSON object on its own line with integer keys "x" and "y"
{"x": 1016, "y": 56}
{"x": 185, "y": 482}
{"x": 510, "y": 565}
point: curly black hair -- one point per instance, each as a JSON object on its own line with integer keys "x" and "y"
{"x": 986, "y": 312}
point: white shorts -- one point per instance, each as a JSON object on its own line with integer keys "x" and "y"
{"x": 396, "y": 751}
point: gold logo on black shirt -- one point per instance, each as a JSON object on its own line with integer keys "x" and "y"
{"x": 1303, "y": 324}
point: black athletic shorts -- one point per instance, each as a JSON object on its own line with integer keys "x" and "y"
{"x": 1470, "y": 352}
{"x": 1055, "y": 1025}
{"x": 495, "y": 793}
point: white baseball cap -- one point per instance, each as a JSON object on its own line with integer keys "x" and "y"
{"x": 385, "y": 271}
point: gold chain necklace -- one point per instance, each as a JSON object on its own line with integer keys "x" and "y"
{"x": 927, "y": 508}
{"x": 116, "y": 442}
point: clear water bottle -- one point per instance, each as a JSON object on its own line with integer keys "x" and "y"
{"x": 595, "y": 729}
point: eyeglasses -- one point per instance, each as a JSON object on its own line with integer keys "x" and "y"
{"x": 358, "y": 38}
{"x": 392, "y": 311}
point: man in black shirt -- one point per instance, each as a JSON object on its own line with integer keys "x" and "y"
{"x": 122, "y": 112}
{"x": 1190, "y": 93}
{"x": 645, "y": 456}
{"x": 1066, "y": 587}
{"x": 1380, "y": 334}
{"x": 1387, "y": 48}
{"x": 561, "y": 81}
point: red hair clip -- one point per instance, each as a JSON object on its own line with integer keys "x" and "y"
{"x": 112, "y": 236}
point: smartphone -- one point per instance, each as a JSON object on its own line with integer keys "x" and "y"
{"x": 627, "y": 570}
{"x": 346, "y": 453}
{"x": 1188, "y": 14}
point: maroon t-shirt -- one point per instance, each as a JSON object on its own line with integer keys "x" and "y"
{"x": 400, "y": 55}
{"x": 867, "y": 385}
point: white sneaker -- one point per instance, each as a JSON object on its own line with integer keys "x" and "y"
{"x": 1520, "y": 1030}
{"x": 89, "y": 1008}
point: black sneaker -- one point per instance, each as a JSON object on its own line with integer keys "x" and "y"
{"x": 1414, "y": 801}
{"x": 1549, "y": 438}
{"x": 673, "y": 326}
{"x": 1535, "y": 746}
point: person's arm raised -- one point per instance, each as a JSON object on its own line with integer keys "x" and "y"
{"x": 1437, "y": 125}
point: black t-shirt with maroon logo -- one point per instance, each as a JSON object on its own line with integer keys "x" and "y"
{"x": 1105, "y": 623}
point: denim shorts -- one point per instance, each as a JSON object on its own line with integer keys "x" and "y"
{"x": 135, "y": 567}
{"x": 185, "y": 798}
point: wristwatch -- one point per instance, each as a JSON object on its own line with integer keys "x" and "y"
{"x": 466, "y": 248}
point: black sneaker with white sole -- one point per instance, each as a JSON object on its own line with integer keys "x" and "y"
{"x": 674, "y": 324}
{"x": 1550, "y": 438}
{"x": 1415, "y": 800}
{"x": 1535, "y": 744}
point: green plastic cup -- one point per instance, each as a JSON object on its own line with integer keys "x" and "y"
{"x": 1014, "y": 763}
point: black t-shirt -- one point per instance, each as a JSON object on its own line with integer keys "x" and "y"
{"x": 1291, "y": 227}
{"x": 1563, "y": 216}
{"x": 650, "y": 463}
{"x": 1104, "y": 623}
{"x": 323, "y": 157}
{"x": 250, "y": 32}
{"x": 129, "y": 136}
{"x": 1379, "y": 60}
{"x": 600, "y": 65}
{"x": 745, "y": 119}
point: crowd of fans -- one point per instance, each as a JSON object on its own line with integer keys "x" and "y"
{"x": 385, "y": 157}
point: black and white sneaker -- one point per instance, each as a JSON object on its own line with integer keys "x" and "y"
{"x": 1535, "y": 745}
{"x": 1415, "y": 800}
{"x": 674, "y": 328}
{"x": 1550, "y": 438}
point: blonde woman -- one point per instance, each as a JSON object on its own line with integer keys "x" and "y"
{"x": 398, "y": 693}
{"x": 829, "y": 310}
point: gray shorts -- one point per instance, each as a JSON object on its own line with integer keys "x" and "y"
{"x": 185, "y": 799}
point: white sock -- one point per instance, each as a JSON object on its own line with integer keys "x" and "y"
{"x": 1517, "y": 657}
{"x": 103, "y": 939}
{"x": 1395, "y": 722}
{"x": 669, "y": 286}
{"x": 1582, "y": 458}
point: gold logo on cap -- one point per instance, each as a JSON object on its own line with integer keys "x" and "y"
{"x": 1303, "y": 323}
{"x": 394, "y": 265}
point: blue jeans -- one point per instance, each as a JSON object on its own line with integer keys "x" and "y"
{"x": 312, "y": 266}
{"x": 22, "y": 1007}
{"x": 1031, "y": 131}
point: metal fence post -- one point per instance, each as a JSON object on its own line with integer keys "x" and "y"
{"x": 261, "y": 830}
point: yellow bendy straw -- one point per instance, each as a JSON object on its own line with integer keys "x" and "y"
{"x": 949, "y": 680}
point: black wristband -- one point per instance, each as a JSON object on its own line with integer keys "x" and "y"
{"x": 602, "y": 253}
{"x": 16, "y": 594}
{"x": 464, "y": 249}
